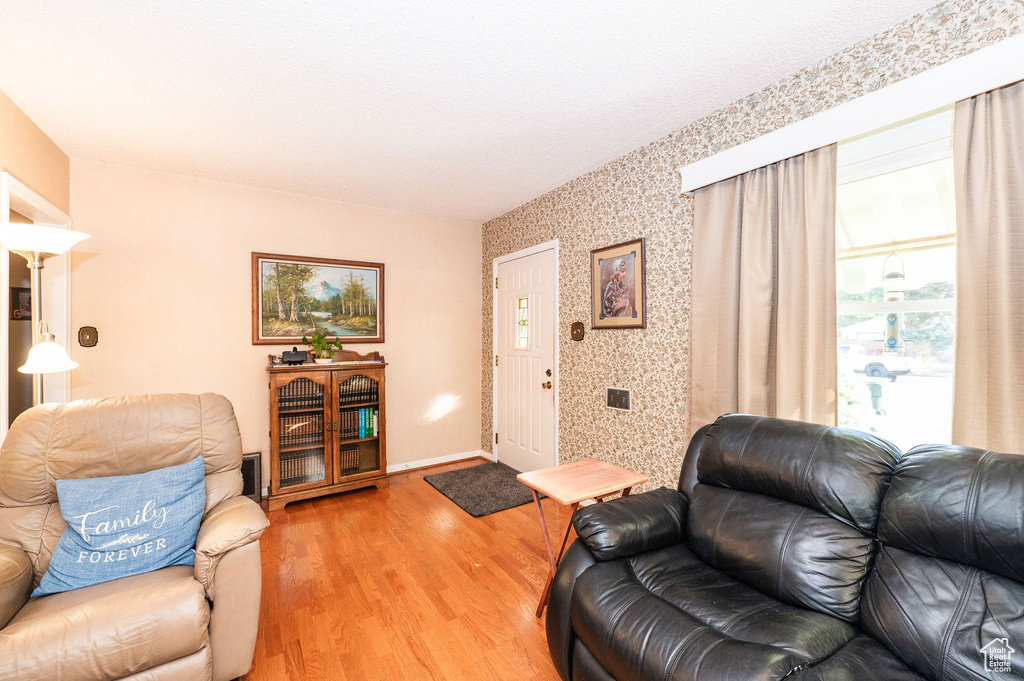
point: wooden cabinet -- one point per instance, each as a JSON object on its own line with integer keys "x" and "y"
{"x": 327, "y": 428}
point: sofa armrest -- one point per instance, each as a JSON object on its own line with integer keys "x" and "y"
{"x": 15, "y": 581}
{"x": 632, "y": 525}
{"x": 231, "y": 524}
{"x": 558, "y": 625}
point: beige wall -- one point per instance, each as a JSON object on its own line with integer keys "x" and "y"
{"x": 32, "y": 157}
{"x": 638, "y": 195}
{"x": 166, "y": 279}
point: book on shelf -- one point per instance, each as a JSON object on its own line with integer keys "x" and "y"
{"x": 300, "y": 394}
{"x": 302, "y": 466}
{"x": 357, "y": 389}
{"x": 305, "y": 429}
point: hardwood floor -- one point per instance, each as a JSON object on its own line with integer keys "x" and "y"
{"x": 401, "y": 583}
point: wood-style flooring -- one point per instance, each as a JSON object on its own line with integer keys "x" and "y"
{"x": 403, "y": 584}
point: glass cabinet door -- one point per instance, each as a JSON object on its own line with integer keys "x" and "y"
{"x": 358, "y": 424}
{"x": 301, "y": 434}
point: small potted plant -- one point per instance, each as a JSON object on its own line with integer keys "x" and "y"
{"x": 323, "y": 349}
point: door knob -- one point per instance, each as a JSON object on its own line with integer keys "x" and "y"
{"x": 546, "y": 385}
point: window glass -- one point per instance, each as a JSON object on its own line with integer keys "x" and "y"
{"x": 523, "y": 324}
{"x": 895, "y": 280}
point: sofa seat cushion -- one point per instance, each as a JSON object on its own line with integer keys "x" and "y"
{"x": 107, "y": 631}
{"x": 668, "y": 615}
{"x": 861, "y": 659}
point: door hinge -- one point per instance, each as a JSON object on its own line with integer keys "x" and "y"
{"x": 495, "y": 360}
{"x": 495, "y": 282}
{"x": 495, "y": 438}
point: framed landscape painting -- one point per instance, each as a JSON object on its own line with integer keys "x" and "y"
{"x": 618, "y": 292}
{"x": 292, "y": 296}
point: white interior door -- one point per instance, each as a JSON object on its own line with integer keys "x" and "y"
{"x": 525, "y": 373}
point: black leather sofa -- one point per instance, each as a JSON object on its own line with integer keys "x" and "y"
{"x": 803, "y": 552}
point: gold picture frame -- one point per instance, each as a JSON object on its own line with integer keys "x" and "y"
{"x": 618, "y": 282}
{"x": 294, "y": 295}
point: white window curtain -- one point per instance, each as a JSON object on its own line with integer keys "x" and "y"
{"x": 988, "y": 156}
{"x": 763, "y": 302}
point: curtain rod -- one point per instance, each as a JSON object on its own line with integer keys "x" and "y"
{"x": 920, "y": 243}
{"x": 980, "y": 71}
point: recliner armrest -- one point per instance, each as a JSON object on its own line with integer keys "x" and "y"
{"x": 558, "y": 625}
{"x": 632, "y": 525}
{"x": 15, "y": 581}
{"x": 229, "y": 525}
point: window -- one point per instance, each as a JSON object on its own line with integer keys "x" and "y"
{"x": 896, "y": 281}
{"x": 523, "y": 324}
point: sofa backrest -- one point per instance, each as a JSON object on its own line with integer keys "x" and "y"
{"x": 107, "y": 437}
{"x": 688, "y": 475}
{"x": 946, "y": 594}
{"x": 790, "y": 508}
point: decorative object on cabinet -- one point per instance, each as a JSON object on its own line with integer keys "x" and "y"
{"x": 293, "y": 296}
{"x": 618, "y": 288}
{"x": 323, "y": 349}
{"x": 327, "y": 427}
{"x": 293, "y": 356}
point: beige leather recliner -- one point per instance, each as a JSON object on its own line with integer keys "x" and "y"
{"x": 178, "y": 623}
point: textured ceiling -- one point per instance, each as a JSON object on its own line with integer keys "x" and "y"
{"x": 457, "y": 108}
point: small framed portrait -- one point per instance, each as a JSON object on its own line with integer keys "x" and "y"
{"x": 618, "y": 294}
{"x": 21, "y": 303}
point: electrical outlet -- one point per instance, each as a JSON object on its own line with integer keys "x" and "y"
{"x": 619, "y": 398}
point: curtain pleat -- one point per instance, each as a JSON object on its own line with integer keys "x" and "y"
{"x": 988, "y": 156}
{"x": 806, "y": 361}
{"x": 763, "y": 311}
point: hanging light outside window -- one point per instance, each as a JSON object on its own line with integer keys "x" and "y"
{"x": 894, "y": 278}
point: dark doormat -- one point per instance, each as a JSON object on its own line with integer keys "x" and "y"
{"x": 482, "y": 490}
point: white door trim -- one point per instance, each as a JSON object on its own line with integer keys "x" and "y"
{"x": 17, "y": 196}
{"x": 532, "y": 250}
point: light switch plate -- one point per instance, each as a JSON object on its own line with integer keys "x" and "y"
{"x": 88, "y": 336}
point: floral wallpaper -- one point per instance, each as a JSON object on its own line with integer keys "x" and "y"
{"x": 638, "y": 195}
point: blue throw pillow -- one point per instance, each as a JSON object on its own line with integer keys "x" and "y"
{"x": 126, "y": 525}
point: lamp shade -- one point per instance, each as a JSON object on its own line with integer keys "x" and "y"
{"x": 38, "y": 238}
{"x": 47, "y": 356}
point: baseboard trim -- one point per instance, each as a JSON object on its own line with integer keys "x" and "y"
{"x": 437, "y": 460}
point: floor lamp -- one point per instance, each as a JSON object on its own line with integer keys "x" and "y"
{"x": 37, "y": 244}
